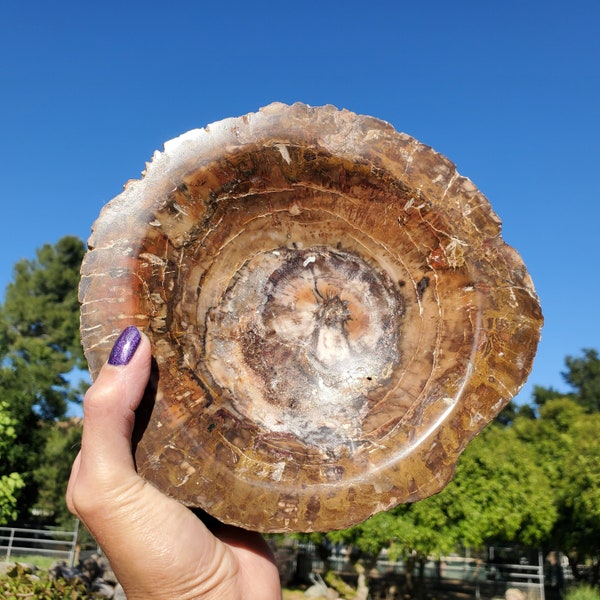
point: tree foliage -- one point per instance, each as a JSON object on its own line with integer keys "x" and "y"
{"x": 583, "y": 375}
{"x": 568, "y": 450}
{"x": 566, "y": 439}
{"x": 51, "y": 475}
{"x": 39, "y": 348}
{"x": 580, "y": 495}
{"x": 10, "y": 483}
{"x": 40, "y": 328}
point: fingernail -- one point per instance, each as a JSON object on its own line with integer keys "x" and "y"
{"x": 125, "y": 347}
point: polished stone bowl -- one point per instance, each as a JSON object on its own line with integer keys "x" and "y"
{"x": 333, "y": 316}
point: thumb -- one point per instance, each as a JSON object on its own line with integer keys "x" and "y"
{"x": 109, "y": 416}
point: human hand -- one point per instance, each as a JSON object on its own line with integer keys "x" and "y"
{"x": 157, "y": 547}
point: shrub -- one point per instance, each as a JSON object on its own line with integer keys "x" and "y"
{"x": 22, "y": 582}
{"x": 583, "y": 592}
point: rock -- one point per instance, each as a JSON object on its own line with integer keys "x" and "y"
{"x": 103, "y": 589}
{"x": 514, "y": 594}
{"x": 332, "y": 310}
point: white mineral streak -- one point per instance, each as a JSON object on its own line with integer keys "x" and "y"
{"x": 153, "y": 259}
{"x": 284, "y": 152}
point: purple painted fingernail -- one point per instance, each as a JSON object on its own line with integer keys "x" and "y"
{"x": 125, "y": 347}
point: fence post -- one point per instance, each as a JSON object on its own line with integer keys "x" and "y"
{"x": 10, "y": 543}
{"x": 541, "y": 576}
{"x": 74, "y": 544}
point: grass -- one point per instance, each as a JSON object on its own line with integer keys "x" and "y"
{"x": 40, "y": 561}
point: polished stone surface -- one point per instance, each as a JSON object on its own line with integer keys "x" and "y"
{"x": 332, "y": 310}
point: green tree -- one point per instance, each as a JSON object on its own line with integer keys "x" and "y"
{"x": 583, "y": 376}
{"x": 580, "y": 501}
{"x": 511, "y": 411}
{"x": 62, "y": 443}
{"x": 541, "y": 395}
{"x": 567, "y": 446}
{"x": 39, "y": 349}
{"x": 40, "y": 333}
{"x": 499, "y": 492}
{"x": 10, "y": 483}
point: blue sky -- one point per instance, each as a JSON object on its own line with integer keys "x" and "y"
{"x": 509, "y": 91}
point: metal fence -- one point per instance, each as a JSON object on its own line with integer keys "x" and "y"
{"x": 19, "y": 541}
{"x": 529, "y": 578}
{"x": 493, "y": 573}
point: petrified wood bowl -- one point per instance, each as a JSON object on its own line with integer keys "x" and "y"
{"x": 332, "y": 310}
